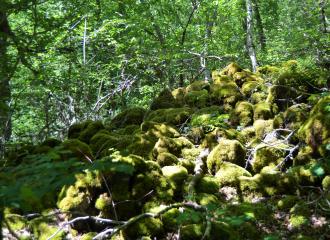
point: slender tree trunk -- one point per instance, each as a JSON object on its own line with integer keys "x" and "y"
{"x": 259, "y": 26}
{"x": 249, "y": 38}
{"x": 206, "y": 44}
{"x": 5, "y": 91}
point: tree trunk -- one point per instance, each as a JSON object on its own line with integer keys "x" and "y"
{"x": 249, "y": 38}
{"x": 5, "y": 91}
{"x": 206, "y": 44}
{"x": 259, "y": 26}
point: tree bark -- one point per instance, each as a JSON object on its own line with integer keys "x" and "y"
{"x": 249, "y": 38}
{"x": 259, "y": 26}
{"x": 206, "y": 44}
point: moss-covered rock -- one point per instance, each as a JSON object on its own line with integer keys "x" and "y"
{"x": 178, "y": 94}
{"x": 15, "y": 221}
{"x": 267, "y": 69}
{"x": 35, "y": 204}
{"x": 177, "y": 174}
{"x": 206, "y": 198}
{"x": 93, "y": 127}
{"x": 249, "y": 87}
{"x": 142, "y": 144}
{"x": 103, "y": 203}
{"x": 42, "y": 230}
{"x": 131, "y": 116}
{"x": 159, "y": 130}
{"x": 167, "y": 145}
{"x": 221, "y": 80}
{"x": 164, "y": 100}
{"x": 258, "y": 97}
{"x": 268, "y": 156}
{"x": 197, "y": 99}
{"x": 207, "y": 184}
{"x": 242, "y": 114}
{"x": 169, "y": 219}
{"x": 299, "y": 214}
{"x": 326, "y": 182}
{"x": 316, "y": 129}
{"x": 188, "y": 164}
{"x": 145, "y": 227}
{"x": 229, "y": 173}
{"x": 245, "y": 76}
{"x": 231, "y": 69}
{"x": 219, "y": 230}
{"x": 101, "y": 143}
{"x": 287, "y": 202}
{"x": 78, "y": 149}
{"x": 167, "y": 159}
{"x": 268, "y": 184}
{"x": 88, "y": 236}
{"x": 262, "y": 111}
{"x": 262, "y": 127}
{"x": 74, "y": 131}
{"x": 198, "y": 86}
{"x": 51, "y": 142}
{"x": 249, "y": 133}
{"x": 178, "y": 116}
{"x": 228, "y": 95}
{"x": 156, "y": 116}
{"x": 227, "y": 151}
{"x": 304, "y": 175}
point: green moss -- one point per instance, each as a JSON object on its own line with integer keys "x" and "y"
{"x": 262, "y": 111}
{"x": 278, "y": 121}
{"x": 93, "y": 127}
{"x": 73, "y": 145}
{"x": 178, "y": 94}
{"x": 190, "y": 154}
{"x": 227, "y": 95}
{"x": 227, "y": 151}
{"x": 74, "y": 130}
{"x": 205, "y": 198}
{"x": 268, "y": 156}
{"x": 159, "y": 130}
{"x": 316, "y": 130}
{"x": 228, "y": 174}
{"x": 303, "y": 157}
{"x": 242, "y": 114}
{"x": 262, "y": 127}
{"x": 35, "y": 204}
{"x": 145, "y": 227}
{"x": 164, "y": 100}
{"x": 156, "y": 116}
{"x": 103, "y": 203}
{"x": 101, "y": 143}
{"x": 167, "y": 159}
{"x": 258, "y": 97}
{"x": 42, "y": 230}
{"x": 287, "y": 202}
{"x": 188, "y": 164}
{"x": 268, "y": 184}
{"x": 222, "y": 80}
{"x": 258, "y": 211}
{"x": 177, "y": 174}
{"x": 142, "y": 144}
{"x": 169, "y": 219}
{"x": 177, "y": 116}
{"x": 219, "y": 230}
{"x": 88, "y": 236}
{"x": 49, "y": 200}
{"x": 305, "y": 177}
{"x": 231, "y": 69}
{"x": 249, "y": 133}
{"x": 51, "y": 142}
{"x": 198, "y": 86}
{"x": 41, "y": 150}
{"x": 207, "y": 184}
{"x": 197, "y": 99}
{"x": 216, "y": 75}
{"x": 326, "y": 182}
{"x": 168, "y": 145}
{"x": 267, "y": 69}
{"x": 153, "y": 166}
{"x": 249, "y": 87}
{"x": 299, "y": 215}
{"x": 131, "y": 116}
{"x": 15, "y": 222}
{"x": 245, "y": 76}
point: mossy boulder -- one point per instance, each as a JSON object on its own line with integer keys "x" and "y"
{"x": 92, "y": 128}
{"x": 177, "y": 174}
{"x": 267, "y": 69}
{"x": 305, "y": 177}
{"x": 74, "y": 131}
{"x": 15, "y": 221}
{"x": 249, "y": 87}
{"x": 227, "y": 151}
{"x": 78, "y": 149}
{"x": 223, "y": 80}
{"x": 145, "y": 227}
{"x": 159, "y": 130}
{"x": 171, "y": 145}
{"x": 299, "y": 214}
{"x": 51, "y": 142}
{"x": 326, "y": 182}
{"x": 198, "y": 86}
{"x": 206, "y": 198}
{"x": 249, "y": 133}
{"x": 101, "y": 143}
{"x": 197, "y": 99}
{"x": 131, "y": 116}
{"x": 188, "y": 164}
{"x": 164, "y": 100}
{"x": 42, "y": 230}
{"x": 178, "y": 116}
{"x": 229, "y": 173}
{"x": 167, "y": 159}
{"x": 103, "y": 203}
{"x": 207, "y": 184}
{"x": 156, "y": 116}
{"x": 262, "y": 127}
{"x": 231, "y": 69}
{"x": 219, "y": 230}
{"x": 178, "y": 94}
{"x": 227, "y": 95}
{"x": 242, "y": 114}
{"x": 287, "y": 202}
{"x": 316, "y": 129}
{"x": 169, "y": 219}
{"x": 262, "y": 111}
{"x": 268, "y": 156}
{"x": 88, "y": 236}
{"x": 142, "y": 144}
{"x": 244, "y": 76}
{"x": 268, "y": 184}
{"x": 258, "y": 97}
